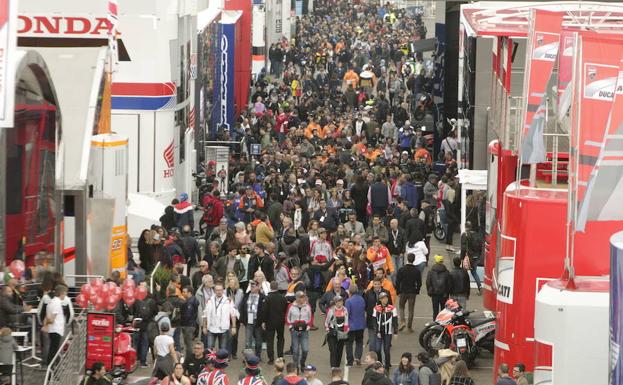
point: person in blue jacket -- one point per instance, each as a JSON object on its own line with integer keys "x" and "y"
{"x": 356, "y": 307}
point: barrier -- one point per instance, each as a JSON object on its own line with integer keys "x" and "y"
{"x": 68, "y": 363}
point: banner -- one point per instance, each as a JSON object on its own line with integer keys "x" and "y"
{"x": 565, "y": 62}
{"x": 543, "y": 40}
{"x": 8, "y": 46}
{"x": 603, "y": 200}
{"x": 596, "y": 81}
{"x": 100, "y": 339}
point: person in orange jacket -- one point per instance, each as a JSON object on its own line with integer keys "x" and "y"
{"x": 250, "y": 202}
{"x": 386, "y": 283}
{"x": 379, "y": 256}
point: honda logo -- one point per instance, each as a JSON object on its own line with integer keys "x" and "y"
{"x": 169, "y": 158}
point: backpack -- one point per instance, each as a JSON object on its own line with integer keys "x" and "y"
{"x": 474, "y": 244}
{"x": 144, "y": 310}
{"x": 439, "y": 282}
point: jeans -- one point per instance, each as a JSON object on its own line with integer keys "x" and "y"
{"x": 188, "y": 332}
{"x": 371, "y": 340}
{"x": 141, "y": 343}
{"x": 177, "y": 337}
{"x": 474, "y": 272}
{"x": 221, "y": 338}
{"x": 336, "y": 349}
{"x": 55, "y": 344}
{"x": 253, "y": 333}
{"x": 270, "y": 342}
{"x": 384, "y": 345}
{"x": 45, "y": 346}
{"x": 397, "y": 260}
{"x": 407, "y": 298}
{"x": 314, "y": 296}
{"x": 421, "y": 268}
{"x": 439, "y": 302}
{"x": 355, "y": 336}
{"x": 300, "y": 347}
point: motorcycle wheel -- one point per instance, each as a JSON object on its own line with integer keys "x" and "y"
{"x": 421, "y": 337}
{"x": 439, "y": 233}
{"x": 432, "y": 342}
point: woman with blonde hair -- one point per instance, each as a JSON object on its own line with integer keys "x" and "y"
{"x": 260, "y": 280}
{"x": 312, "y": 230}
{"x": 235, "y": 295}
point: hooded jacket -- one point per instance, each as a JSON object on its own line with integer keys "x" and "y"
{"x": 184, "y": 215}
{"x": 292, "y": 380}
{"x": 438, "y": 281}
{"x": 376, "y": 378}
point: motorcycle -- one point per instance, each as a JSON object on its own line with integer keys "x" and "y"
{"x": 124, "y": 355}
{"x": 439, "y": 231}
{"x": 465, "y": 332}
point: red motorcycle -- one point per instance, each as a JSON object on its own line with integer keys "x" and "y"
{"x": 124, "y": 359}
{"x": 455, "y": 329}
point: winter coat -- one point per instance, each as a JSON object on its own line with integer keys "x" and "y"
{"x": 371, "y": 298}
{"x": 400, "y": 378}
{"x": 242, "y": 309}
{"x": 356, "y": 307}
{"x": 438, "y": 281}
{"x": 274, "y": 310}
{"x": 408, "y": 280}
{"x": 220, "y": 267}
{"x": 263, "y": 262}
{"x": 459, "y": 282}
{"x": 184, "y": 215}
{"x": 380, "y": 197}
{"x": 376, "y": 378}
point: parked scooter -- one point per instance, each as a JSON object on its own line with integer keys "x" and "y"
{"x": 465, "y": 332}
{"x": 124, "y": 359}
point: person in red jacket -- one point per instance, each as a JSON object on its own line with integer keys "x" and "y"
{"x": 213, "y": 211}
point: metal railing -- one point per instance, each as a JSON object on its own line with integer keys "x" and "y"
{"x": 68, "y": 363}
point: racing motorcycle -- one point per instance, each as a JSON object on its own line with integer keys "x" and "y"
{"x": 465, "y": 332}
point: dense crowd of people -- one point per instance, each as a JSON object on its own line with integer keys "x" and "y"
{"x": 328, "y": 228}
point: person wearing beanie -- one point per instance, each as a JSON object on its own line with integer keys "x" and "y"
{"x": 438, "y": 284}
{"x": 406, "y": 373}
{"x": 217, "y": 376}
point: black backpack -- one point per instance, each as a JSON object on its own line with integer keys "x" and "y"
{"x": 474, "y": 244}
{"x": 429, "y": 219}
{"x": 144, "y": 310}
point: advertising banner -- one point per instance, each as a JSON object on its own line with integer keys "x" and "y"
{"x": 603, "y": 199}
{"x": 616, "y": 308}
{"x": 223, "y": 115}
{"x": 596, "y": 82}
{"x": 8, "y": 45}
{"x": 100, "y": 339}
{"x": 543, "y": 41}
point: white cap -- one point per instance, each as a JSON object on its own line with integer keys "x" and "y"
{"x": 318, "y": 182}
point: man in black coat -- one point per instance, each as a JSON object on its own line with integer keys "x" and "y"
{"x": 408, "y": 284}
{"x": 438, "y": 285}
{"x": 415, "y": 229}
{"x": 261, "y": 260}
{"x": 327, "y": 216}
{"x": 380, "y": 197}
{"x": 459, "y": 289}
{"x": 274, "y": 316}
{"x": 251, "y": 309}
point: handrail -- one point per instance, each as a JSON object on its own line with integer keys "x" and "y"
{"x": 151, "y": 278}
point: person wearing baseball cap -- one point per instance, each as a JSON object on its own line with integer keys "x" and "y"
{"x": 386, "y": 327}
{"x": 217, "y": 375}
{"x": 299, "y": 318}
{"x": 336, "y": 325}
{"x": 310, "y": 375}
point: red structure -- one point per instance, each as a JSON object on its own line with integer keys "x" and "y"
{"x": 243, "y": 52}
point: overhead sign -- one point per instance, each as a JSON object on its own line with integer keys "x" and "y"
{"x": 79, "y": 26}
{"x": 100, "y": 339}
{"x": 8, "y": 45}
